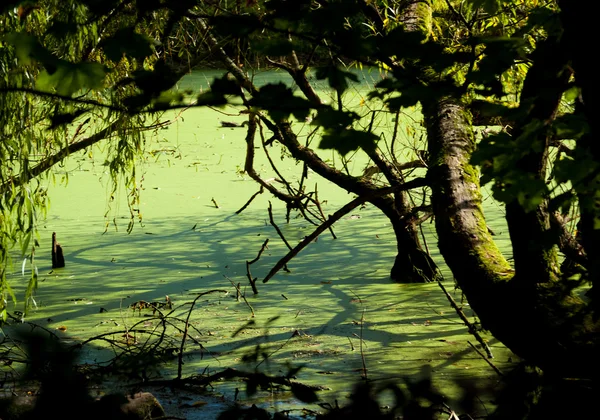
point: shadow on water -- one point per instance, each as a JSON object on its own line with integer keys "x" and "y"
{"x": 338, "y": 311}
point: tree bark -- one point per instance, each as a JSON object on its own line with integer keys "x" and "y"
{"x": 544, "y": 325}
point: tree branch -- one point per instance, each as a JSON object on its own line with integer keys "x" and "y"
{"x": 415, "y": 183}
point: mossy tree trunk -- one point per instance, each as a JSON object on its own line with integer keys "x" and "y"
{"x": 543, "y": 324}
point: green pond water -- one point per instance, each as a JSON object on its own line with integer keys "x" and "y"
{"x": 338, "y": 290}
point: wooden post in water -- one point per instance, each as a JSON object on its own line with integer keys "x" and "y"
{"x": 58, "y": 259}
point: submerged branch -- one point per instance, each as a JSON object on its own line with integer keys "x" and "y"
{"x": 187, "y": 323}
{"x": 463, "y": 317}
{"x": 250, "y": 200}
{"x": 277, "y": 227}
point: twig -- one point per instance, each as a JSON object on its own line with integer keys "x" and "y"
{"x": 267, "y": 356}
{"x": 262, "y": 248}
{"x": 185, "y": 331}
{"x": 239, "y": 293}
{"x": 214, "y": 202}
{"x": 251, "y": 279}
{"x": 277, "y": 228}
{"x": 231, "y": 373}
{"x": 249, "y": 163}
{"x": 486, "y": 359}
{"x": 469, "y": 325}
{"x": 362, "y": 354}
{"x": 321, "y": 211}
{"x": 250, "y": 200}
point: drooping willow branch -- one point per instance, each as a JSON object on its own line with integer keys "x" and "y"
{"x": 52, "y": 95}
{"x": 50, "y": 161}
{"x": 27, "y": 175}
{"x": 415, "y": 183}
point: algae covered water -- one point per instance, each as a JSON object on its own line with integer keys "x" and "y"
{"x": 335, "y": 313}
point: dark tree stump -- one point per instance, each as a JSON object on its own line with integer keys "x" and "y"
{"x": 58, "y": 259}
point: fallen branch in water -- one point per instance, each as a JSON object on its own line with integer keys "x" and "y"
{"x": 239, "y": 293}
{"x": 277, "y": 227}
{"x": 248, "y": 263}
{"x": 470, "y": 326}
{"x": 250, "y": 200}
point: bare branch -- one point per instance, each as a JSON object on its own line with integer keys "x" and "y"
{"x": 334, "y": 218}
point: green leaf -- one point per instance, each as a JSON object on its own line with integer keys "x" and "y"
{"x": 545, "y": 18}
{"x": 403, "y": 44}
{"x": 68, "y": 78}
{"x": 152, "y": 83}
{"x": 499, "y": 55}
{"x": 304, "y": 393}
{"x": 330, "y": 118}
{"x": 236, "y": 25}
{"x": 61, "y": 29}
{"x": 60, "y": 119}
{"x": 28, "y": 48}
{"x": 167, "y": 100}
{"x": 494, "y": 109}
{"x": 337, "y": 78}
{"x": 101, "y": 7}
{"x": 570, "y": 126}
{"x": 572, "y": 93}
{"x": 211, "y": 99}
{"x": 488, "y": 6}
{"x": 225, "y": 86}
{"x": 128, "y": 42}
{"x": 575, "y": 169}
{"x": 527, "y": 190}
{"x": 348, "y": 140}
{"x": 276, "y": 47}
{"x": 279, "y": 101}
{"x": 563, "y": 202}
{"x": 25, "y": 243}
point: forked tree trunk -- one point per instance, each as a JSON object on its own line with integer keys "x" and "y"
{"x": 544, "y": 325}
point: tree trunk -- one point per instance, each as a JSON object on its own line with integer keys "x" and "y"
{"x": 544, "y": 325}
{"x": 412, "y": 264}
